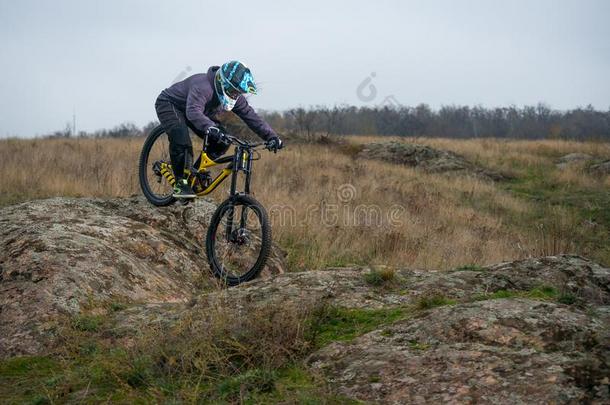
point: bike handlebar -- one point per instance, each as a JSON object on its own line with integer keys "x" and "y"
{"x": 240, "y": 142}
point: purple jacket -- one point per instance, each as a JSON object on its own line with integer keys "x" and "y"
{"x": 196, "y": 97}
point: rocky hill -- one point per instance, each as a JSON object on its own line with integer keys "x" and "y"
{"x": 534, "y": 330}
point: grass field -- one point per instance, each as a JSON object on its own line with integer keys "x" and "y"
{"x": 331, "y": 208}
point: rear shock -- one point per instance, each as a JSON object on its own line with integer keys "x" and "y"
{"x": 165, "y": 170}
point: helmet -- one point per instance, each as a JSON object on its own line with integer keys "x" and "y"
{"x": 231, "y": 80}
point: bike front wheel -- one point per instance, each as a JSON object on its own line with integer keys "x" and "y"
{"x": 239, "y": 240}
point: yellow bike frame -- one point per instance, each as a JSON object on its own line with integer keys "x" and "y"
{"x": 204, "y": 165}
{"x": 206, "y": 162}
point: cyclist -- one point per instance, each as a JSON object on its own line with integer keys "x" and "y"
{"x": 195, "y": 103}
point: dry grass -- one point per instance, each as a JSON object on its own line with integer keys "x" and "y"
{"x": 392, "y": 215}
{"x": 432, "y": 226}
{"x": 68, "y": 167}
{"x": 222, "y": 352}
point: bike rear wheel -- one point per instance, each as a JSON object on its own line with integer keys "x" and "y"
{"x": 238, "y": 242}
{"x": 155, "y": 187}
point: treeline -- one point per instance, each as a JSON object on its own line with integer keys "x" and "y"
{"x": 124, "y": 130}
{"x": 530, "y": 122}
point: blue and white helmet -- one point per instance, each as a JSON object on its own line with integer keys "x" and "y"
{"x": 232, "y": 80}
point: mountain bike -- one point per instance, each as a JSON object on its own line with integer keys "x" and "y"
{"x": 238, "y": 241}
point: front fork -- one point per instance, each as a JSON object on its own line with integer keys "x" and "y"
{"x": 242, "y": 161}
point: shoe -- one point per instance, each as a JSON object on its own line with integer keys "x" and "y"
{"x": 183, "y": 190}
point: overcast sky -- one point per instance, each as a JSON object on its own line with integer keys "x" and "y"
{"x": 108, "y": 60}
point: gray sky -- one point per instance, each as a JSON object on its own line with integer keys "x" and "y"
{"x": 109, "y": 59}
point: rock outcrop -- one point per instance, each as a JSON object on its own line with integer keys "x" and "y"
{"x": 533, "y": 330}
{"x": 428, "y": 159}
{"x": 573, "y": 158}
{"x": 495, "y": 351}
{"x": 58, "y": 254}
{"x": 600, "y": 169}
{"x": 485, "y": 348}
{"x": 592, "y": 165}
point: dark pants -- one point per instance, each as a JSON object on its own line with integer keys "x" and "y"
{"x": 176, "y": 126}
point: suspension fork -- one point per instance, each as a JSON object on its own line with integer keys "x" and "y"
{"x": 242, "y": 161}
{"x": 247, "y": 160}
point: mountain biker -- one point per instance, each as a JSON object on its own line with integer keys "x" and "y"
{"x": 195, "y": 103}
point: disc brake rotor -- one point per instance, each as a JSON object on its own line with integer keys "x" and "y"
{"x": 240, "y": 237}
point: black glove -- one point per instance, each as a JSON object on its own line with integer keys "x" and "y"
{"x": 218, "y": 137}
{"x": 275, "y": 143}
